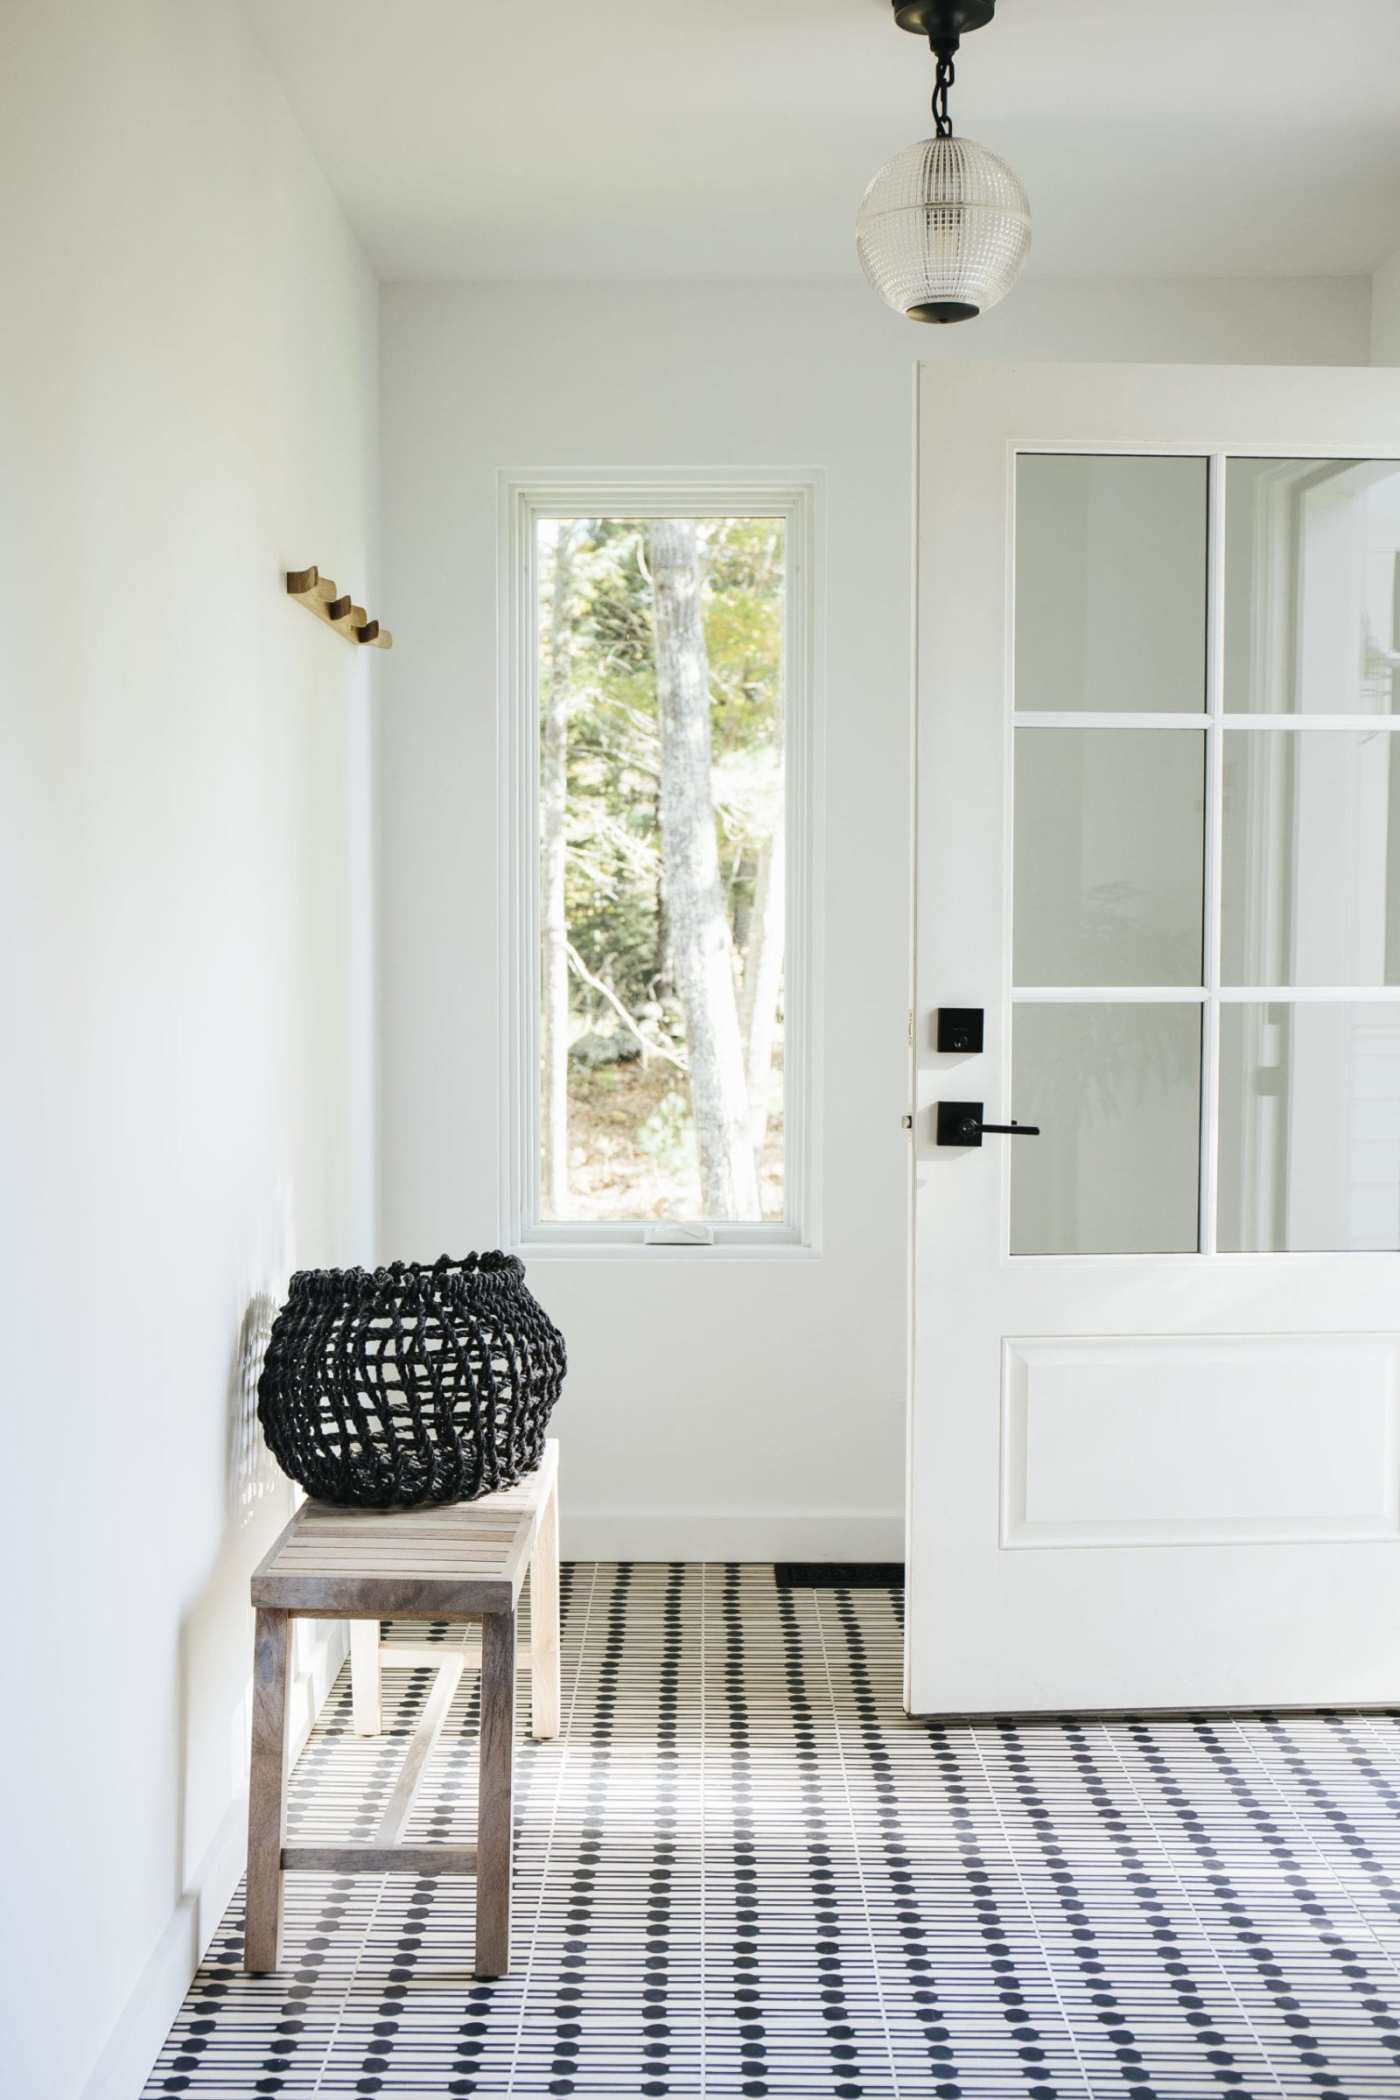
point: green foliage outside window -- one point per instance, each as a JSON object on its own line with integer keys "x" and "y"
{"x": 646, "y": 1030}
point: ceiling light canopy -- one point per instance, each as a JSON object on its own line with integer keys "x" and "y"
{"x": 944, "y": 228}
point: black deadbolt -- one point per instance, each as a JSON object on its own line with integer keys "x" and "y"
{"x": 960, "y": 1028}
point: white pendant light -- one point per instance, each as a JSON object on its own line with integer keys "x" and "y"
{"x": 944, "y": 228}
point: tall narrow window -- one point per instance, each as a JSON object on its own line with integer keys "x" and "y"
{"x": 663, "y": 1030}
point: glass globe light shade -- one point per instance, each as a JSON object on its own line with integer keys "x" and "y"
{"x": 943, "y": 230}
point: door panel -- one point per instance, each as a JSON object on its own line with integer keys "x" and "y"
{"x": 1231, "y": 1440}
{"x": 1154, "y": 1455}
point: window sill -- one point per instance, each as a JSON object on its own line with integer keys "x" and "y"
{"x": 765, "y": 1250}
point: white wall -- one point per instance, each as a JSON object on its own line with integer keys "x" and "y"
{"x": 1385, "y": 311}
{"x": 189, "y": 379}
{"x": 714, "y": 1406}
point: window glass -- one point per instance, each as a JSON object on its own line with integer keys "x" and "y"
{"x": 1110, "y": 829}
{"x": 1312, "y": 586}
{"x": 662, "y": 811}
{"x": 1116, "y": 1092}
{"x": 1311, "y": 890}
{"x": 1309, "y": 1126}
{"x": 1110, "y": 583}
{"x": 1112, "y": 873}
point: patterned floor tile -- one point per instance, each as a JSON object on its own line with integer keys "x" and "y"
{"x": 743, "y": 1871}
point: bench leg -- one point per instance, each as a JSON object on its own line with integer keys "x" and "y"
{"x": 544, "y": 1624}
{"x": 493, "y": 1835}
{"x": 267, "y": 1794}
{"x": 364, "y": 1676}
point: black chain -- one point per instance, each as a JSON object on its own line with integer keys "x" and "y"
{"x": 942, "y": 80}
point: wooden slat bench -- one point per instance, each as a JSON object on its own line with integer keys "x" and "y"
{"x": 461, "y": 1561}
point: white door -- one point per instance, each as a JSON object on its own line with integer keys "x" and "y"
{"x": 1155, "y": 1409}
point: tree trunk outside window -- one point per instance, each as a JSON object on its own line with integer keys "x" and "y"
{"x": 701, "y": 946}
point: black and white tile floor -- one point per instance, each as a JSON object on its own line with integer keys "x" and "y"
{"x": 744, "y": 1871}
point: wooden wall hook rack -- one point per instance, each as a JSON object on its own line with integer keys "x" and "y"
{"x": 318, "y": 594}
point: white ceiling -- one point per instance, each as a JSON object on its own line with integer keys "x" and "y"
{"x": 716, "y": 138}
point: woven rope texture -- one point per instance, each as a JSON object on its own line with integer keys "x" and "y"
{"x": 416, "y": 1383}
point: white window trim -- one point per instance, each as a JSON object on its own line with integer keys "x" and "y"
{"x": 524, "y": 498}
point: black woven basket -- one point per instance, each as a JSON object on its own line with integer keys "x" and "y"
{"x": 416, "y": 1383}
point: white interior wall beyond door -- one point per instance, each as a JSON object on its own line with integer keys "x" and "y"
{"x": 188, "y": 360}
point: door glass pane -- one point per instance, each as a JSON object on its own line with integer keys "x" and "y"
{"x": 1110, "y": 828}
{"x": 1116, "y": 1090}
{"x": 1309, "y": 1127}
{"x": 1312, "y": 586}
{"x": 1110, "y": 582}
{"x": 1311, "y": 858}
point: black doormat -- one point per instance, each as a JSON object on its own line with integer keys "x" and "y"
{"x": 839, "y": 1574}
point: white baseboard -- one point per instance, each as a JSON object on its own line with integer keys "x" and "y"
{"x": 723, "y": 1534}
{"x": 135, "y": 2042}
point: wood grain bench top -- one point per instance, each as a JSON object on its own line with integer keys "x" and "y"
{"x": 457, "y": 1559}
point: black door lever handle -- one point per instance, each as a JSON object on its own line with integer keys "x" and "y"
{"x": 960, "y": 1123}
